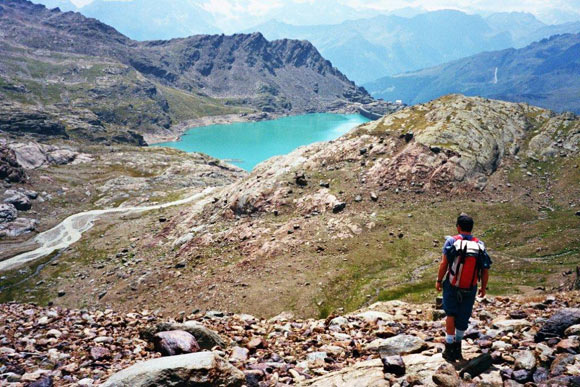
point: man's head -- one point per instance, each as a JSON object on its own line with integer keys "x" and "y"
{"x": 464, "y": 223}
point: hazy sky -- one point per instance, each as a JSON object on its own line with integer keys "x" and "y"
{"x": 535, "y": 6}
{"x": 550, "y": 11}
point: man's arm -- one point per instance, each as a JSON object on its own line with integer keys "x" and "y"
{"x": 441, "y": 273}
{"x": 484, "y": 279}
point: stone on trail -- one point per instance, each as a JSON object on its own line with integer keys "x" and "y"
{"x": 365, "y": 374}
{"x": 558, "y": 323}
{"x": 173, "y": 343}
{"x": 239, "y": 354}
{"x": 446, "y": 376}
{"x": 202, "y": 368}
{"x": 397, "y": 345}
{"x": 525, "y": 360}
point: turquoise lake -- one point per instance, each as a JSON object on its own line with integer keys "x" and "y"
{"x": 249, "y": 143}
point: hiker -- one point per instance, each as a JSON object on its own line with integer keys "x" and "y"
{"x": 465, "y": 262}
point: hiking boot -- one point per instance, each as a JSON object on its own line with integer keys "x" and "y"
{"x": 449, "y": 352}
{"x": 457, "y": 351}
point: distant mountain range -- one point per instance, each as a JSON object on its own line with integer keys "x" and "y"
{"x": 366, "y": 50}
{"x": 545, "y": 73}
{"x": 77, "y": 66}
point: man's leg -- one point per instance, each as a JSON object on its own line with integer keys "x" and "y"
{"x": 450, "y": 329}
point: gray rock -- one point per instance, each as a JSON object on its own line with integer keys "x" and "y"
{"x": 203, "y": 368}
{"x": 206, "y": 338}
{"x": 20, "y": 201}
{"x": 397, "y": 345}
{"x": 525, "y": 360}
{"x": 7, "y": 212}
{"x": 173, "y": 343}
{"x": 17, "y": 227}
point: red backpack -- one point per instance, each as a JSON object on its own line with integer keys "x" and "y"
{"x": 466, "y": 268}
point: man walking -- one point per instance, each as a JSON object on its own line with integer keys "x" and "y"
{"x": 465, "y": 262}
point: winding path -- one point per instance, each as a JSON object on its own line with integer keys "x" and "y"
{"x": 72, "y": 228}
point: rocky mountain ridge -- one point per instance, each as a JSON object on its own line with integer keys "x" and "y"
{"x": 530, "y": 340}
{"x": 81, "y": 70}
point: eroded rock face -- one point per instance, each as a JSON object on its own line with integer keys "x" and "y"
{"x": 203, "y": 368}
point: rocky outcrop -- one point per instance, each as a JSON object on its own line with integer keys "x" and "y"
{"x": 34, "y": 155}
{"x": 30, "y": 121}
{"x": 205, "y": 368}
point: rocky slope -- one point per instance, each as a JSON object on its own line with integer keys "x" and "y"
{"x": 346, "y": 223}
{"x": 66, "y": 74}
{"x": 545, "y": 73}
{"x": 532, "y": 340}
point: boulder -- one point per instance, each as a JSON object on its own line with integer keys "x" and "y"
{"x": 17, "y": 227}
{"x": 558, "y": 323}
{"x": 20, "y": 201}
{"x": 173, "y": 343}
{"x": 202, "y": 368}
{"x": 368, "y": 373}
{"x": 397, "y": 345}
{"x": 7, "y": 212}
{"x": 206, "y": 338}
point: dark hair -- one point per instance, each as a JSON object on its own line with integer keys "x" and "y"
{"x": 465, "y": 222}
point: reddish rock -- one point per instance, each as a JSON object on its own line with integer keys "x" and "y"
{"x": 173, "y": 343}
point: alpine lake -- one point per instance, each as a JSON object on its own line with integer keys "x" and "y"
{"x": 247, "y": 144}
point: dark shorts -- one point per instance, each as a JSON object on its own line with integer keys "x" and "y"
{"x": 458, "y": 304}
